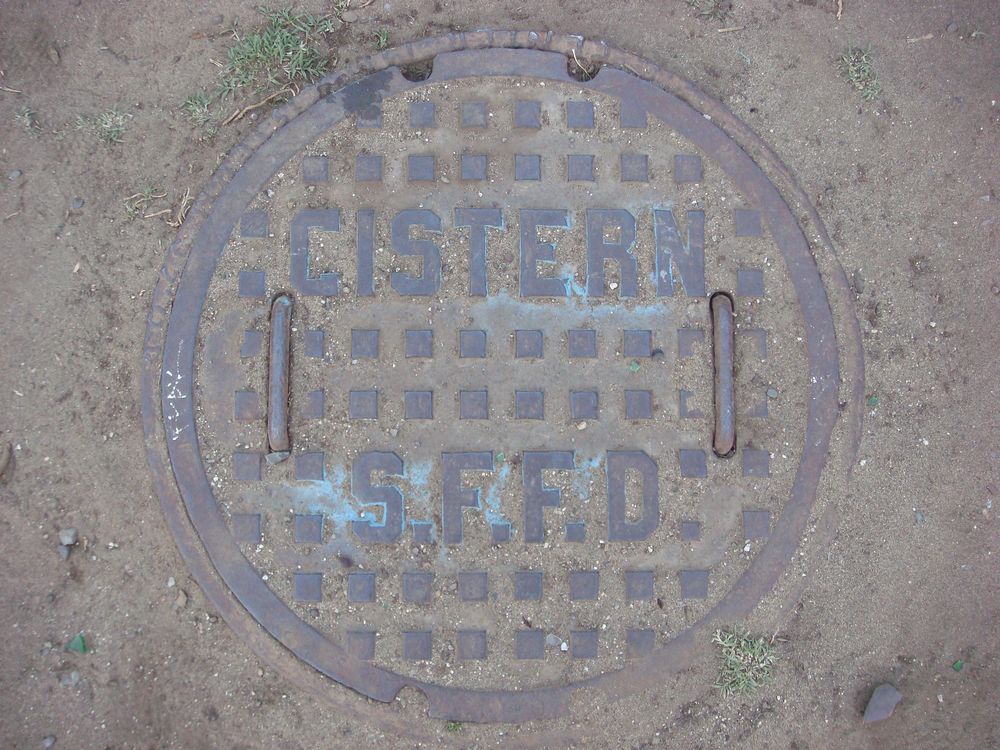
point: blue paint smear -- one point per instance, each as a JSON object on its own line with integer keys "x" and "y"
{"x": 586, "y": 468}
{"x": 328, "y": 497}
{"x": 491, "y": 497}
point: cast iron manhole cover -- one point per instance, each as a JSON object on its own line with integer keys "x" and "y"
{"x": 436, "y": 376}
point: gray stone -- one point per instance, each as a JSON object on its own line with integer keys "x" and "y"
{"x": 13, "y": 175}
{"x": 49, "y": 741}
{"x": 882, "y": 703}
{"x": 67, "y": 536}
{"x": 63, "y": 552}
{"x": 552, "y": 640}
{"x": 70, "y": 679}
{"x": 772, "y": 392}
{"x": 858, "y": 281}
{"x": 349, "y": 16}
{"x": 77, "y": 203}
{"x": 952, "y": 27}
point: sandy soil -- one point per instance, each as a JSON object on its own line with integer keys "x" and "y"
{"x": 906, "y": 583}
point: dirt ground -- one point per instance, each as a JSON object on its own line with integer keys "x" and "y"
{"x": 907, "y": 583}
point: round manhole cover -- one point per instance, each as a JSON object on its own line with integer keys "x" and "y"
{"x": 436, "y": 378}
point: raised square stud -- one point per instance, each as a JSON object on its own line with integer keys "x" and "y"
{"x": 687, "y": 339}
{"x": 749, "y": 282}
{"x": 420, "y": 167}
{"x": 685, "y": 410}
{"x": 756, "y": 463}
{"x": 694, "y": 584}
{"x": 637, "y": 343}
{"x": 529, "y": 404}
{"x": 247, "y": 406}
{"x": 474, "y": 115}
{"x": 364, "y": 344}
{"x": 528, "y": 344}
{"x": 252, "y": 284}
{"x": 639, "y": 641}
{"x": 638, "y": 404}
{"x": 422, "y": 532}
{"x": 308, "y": 587}
{"x": 582, "y": 342}
{"x": 528, "y": 585}
{"x": 635, "y": 167}
{"x": 527, "y": 167}
{"x": 246, "y": 527}
{"x": 527, "y": 114}
{"x": 417, "y": 645}
{"x": 756, "y": 524}
{"x": 309, "y": 466}
{"x": 418, "y": 405}
{"x": 361, "y": 644}
{"x": 308, "y": 528}
{"x": 472, "y": 585}
{"x": 253, "y": 344}
{"x": 473, "y": 166}
{"x": 747, "y": 222}
{"x": 638, "y": 584}
{"x": 687, "y": 168}
{"x": 693, "y": 463}
{"x": 579, "y": 114}
{"x": 472, "y": 344}
{"x": 370, "y": 116}
{"x": 362, "y": 405}
{"x": 583, "y": 404}
{"x": 422, "y": 115}
{"x": 500, "y": 532}
{"x": 419, "y": 344}
{"x": 360, "y": 587}
{"x": 583, "y": 644}
{"x": 471, "y": 644}
{"x": 368, "y": 168}
{"x": 246, "y": 467}
{"x": 576, "y": 531}
{"x": 254, "y": 225}
{"x": 315, "y": 343}
{"x": 315, "y": 169}
{"x": 690, "y": 531}
{"x": 529, "y": 644}
{"x": 580, "y": 168}
{"x": 418, "y": 587}
{"x": 473, "y": 405}
{"x": 584, "y": 584}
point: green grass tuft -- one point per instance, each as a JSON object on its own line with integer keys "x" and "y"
{"x": 381, "y": 38}
{"x": 28, "y": 121}
{"x": 746, "y": 661}
{"x": 856, "y": 64}
{"x": 109, "y": 126}
{"x": 282, "y": 52}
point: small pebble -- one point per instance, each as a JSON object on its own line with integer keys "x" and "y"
{"x": 882, "y": 703}
{"x": 552, "y": 640}
{"x": 985, "y": 198}
{"x": 217, "y": 20}
{"x": 564, "y": 647}
{"x": 952, "y": 27}
{"x": 772, "y": 392}
{"x": 63, "y": 552}
{"x": 171, "y": 582}
{"x": 14, "y": 175}
{"x": 49, "y": 741}
{"x": 349, "y": 16}
{"x": 918, "y": 518}
{"x": 67, "y": 536}
{"x": 77, "y": 203}
{"x": 182, "y": 599}
{"x": 70, "y": 679}
{"x": 582, "y": 426}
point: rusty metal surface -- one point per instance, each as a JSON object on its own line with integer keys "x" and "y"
{"x": 207, "y": 536}
{"x": 279, "y": 356}
{"x": 724, "y": 365}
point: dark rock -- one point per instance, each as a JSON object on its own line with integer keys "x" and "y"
{"x": 77, "y": 203}
{"x": 952, "y": 27}
{"x": 858, "y": 281}
{"x": 63, "y": 552}
{"x": 67, "y": 536}
{"x": 882, "y": 703}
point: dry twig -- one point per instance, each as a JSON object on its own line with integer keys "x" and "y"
{"x": 241, "y": 113}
